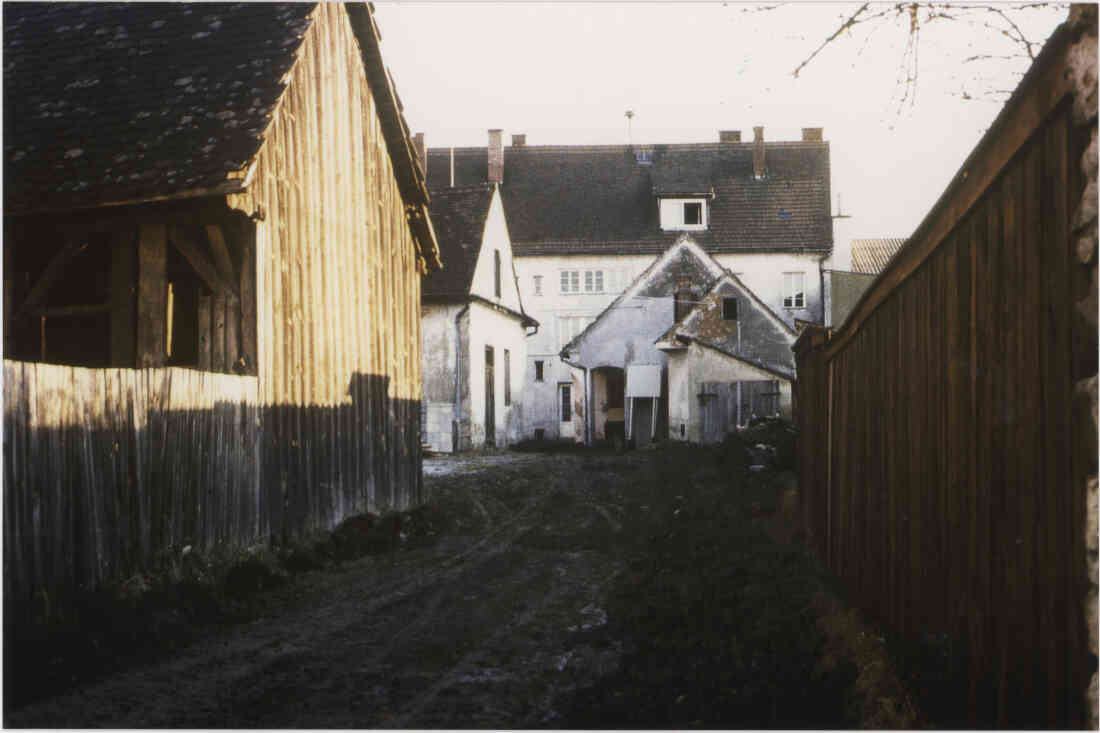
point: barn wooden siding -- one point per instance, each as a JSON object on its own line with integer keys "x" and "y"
{"x": 941, "y": 461}
{"x": 338, "y": 296}
{"x": 106, "y": 468}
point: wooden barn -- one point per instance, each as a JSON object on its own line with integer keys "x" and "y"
{"x": 215, "y": 226}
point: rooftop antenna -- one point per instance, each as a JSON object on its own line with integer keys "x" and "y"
{"x": 629, "y": 116}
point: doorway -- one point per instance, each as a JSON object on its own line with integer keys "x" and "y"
{"x": 490, "y": 399}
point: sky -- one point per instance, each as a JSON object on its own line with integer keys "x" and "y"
{"x": 566, "y": 73}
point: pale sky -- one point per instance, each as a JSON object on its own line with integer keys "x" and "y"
{"x": 565, "y": 73}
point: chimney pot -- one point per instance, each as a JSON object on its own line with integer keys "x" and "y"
{"x": 813, "y": 134}
{"x": 518, "y": 141}
{"x": 729, "y": 136}
{"x": 496, "y": 156}
{"x": 421, "y": 152}
{"x": 759, "y": 169}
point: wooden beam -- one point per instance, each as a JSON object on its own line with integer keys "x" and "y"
{"x": 248, "y": 350}
{"x": 123, "y": 301}
{"x": 204, "y": 332}
{"x": 51, "y": 273}
{"x": 217, "y": 335}
{"x": 152, "y": 292}
{"x": 191, "y": 251}
{"x": 221, "y": 252}
{"x": 72, "y": 310}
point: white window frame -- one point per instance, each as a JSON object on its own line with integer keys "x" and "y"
{"x": 569, "y": 282}
{"x": 794, "y": 290}
{"x": 672, "y": 214}
{"x": 538, "y": 284}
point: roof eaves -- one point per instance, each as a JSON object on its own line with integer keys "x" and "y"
{"x": 738, "y": 357}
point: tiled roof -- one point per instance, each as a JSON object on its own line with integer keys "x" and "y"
{"x": 126, "y": 102}
{"x": 116, "y": 102}
{"x": 458, "y": 216}
{"x": 870, "y": 256}
{"x": 601, "y": 200}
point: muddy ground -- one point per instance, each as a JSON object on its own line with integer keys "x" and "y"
{"x": 660, "y": 588}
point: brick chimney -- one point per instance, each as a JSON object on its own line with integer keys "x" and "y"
{"x": 813, "y": 134}
{"x": 496, "y": 156}
{"x": 421, "y": 151}
{"x": 729, "y": 136}
{"x": 759, "y": 170}
{"x": 518, "y": 141}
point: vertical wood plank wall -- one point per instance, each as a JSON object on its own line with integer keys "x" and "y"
{"x": 338, "y": 296}
{"x": 937, "y": 434}
{"x": 106, "y": 468}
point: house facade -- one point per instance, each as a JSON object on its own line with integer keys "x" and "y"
{"x": 473, "y": 330}
{"x": 211, "y": 279}
{"x": 586, "y": 221}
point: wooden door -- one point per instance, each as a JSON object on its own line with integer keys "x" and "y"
{"x": 490, "y": 399}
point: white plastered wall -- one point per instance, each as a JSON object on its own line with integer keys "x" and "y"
{"x": 439, "y": 348}
{"x": 541, "y": 407}
{"x": 762, "y": 272}
{"x": 689, "y": 368}
{"x": 502, "y": 331}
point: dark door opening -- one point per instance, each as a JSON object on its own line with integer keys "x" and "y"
{"x": 490, "y": 401}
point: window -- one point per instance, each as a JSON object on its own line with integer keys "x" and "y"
{"x": 593, "y": 281}
{"x": 538, "y": 371}
{"x": 683, "y": 214}
{"x": 729, "y": 309}
{"x": 565, "y": 391}
{"x": 794, "y": 295}
{"x": 644, "y": 157}
{"x": 538, "y": 284}
{"x": 496, "y": 272}
{"x": 693, "y": 213}
{"x": 507, "y": 377}
{"x": 570, "y": 281}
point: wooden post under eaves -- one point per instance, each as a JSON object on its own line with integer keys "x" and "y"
{"x": 152, "y": 294}
{"x": 123, "y": 300}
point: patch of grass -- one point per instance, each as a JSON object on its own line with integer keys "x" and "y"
{"x": 720, "y": 617}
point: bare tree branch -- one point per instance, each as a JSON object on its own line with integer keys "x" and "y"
{"x": 843, "y": 27}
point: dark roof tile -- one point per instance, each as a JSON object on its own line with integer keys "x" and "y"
{"x": 458, "y": 217}
{"x": 114, "y": 102}
{"x": 599, "y": 199}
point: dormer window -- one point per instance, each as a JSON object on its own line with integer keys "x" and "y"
{"x": 683, "y": 214}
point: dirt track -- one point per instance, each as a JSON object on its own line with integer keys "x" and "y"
{"x": 650, "y": 589}
{"x": 485, "y": 628}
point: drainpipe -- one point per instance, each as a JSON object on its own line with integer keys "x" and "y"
{"x": 821, "y": 283}
{"x": 563, "y": 355}
{"x": 458, "y": 372}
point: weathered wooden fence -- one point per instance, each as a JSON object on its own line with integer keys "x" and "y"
{"x": 942, "y": 462}
{"x": 104, "y": 468}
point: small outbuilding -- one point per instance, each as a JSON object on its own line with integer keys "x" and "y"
{"x": 729, "y": 361}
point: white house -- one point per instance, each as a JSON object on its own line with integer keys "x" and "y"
{"x": 473, "y": 328}
{"x": 587, "y": 220}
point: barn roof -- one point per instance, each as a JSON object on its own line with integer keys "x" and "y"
{"x": 601, "y": 199}
{"x": 125, "y": 102}
{"x": 458, "y": 216}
